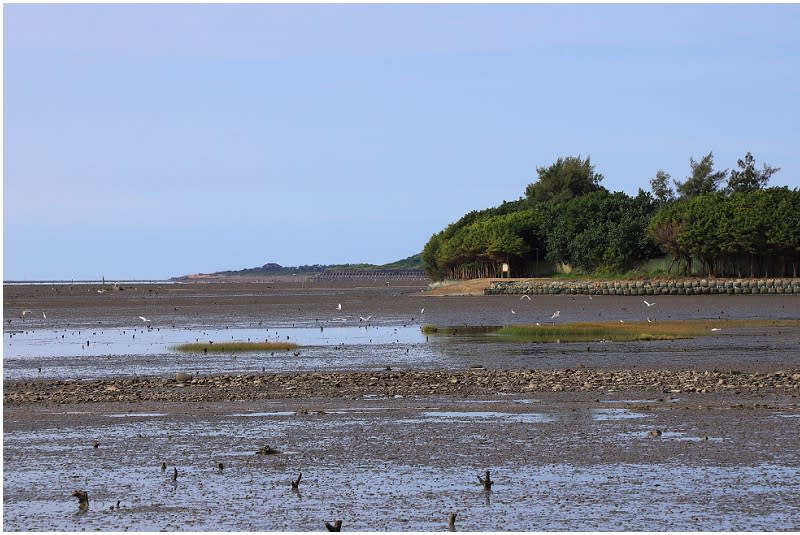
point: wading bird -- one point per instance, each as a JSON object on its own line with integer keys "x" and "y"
{"x": 556, "y": 314}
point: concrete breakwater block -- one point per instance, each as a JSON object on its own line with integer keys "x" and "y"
{"x": 649, "y": 287}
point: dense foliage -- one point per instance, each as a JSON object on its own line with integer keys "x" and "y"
{"x": 566, "y": 217}
{"x": 744, "y": 234}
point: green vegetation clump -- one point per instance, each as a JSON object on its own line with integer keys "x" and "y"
{"x": 461, "y": 329}
{"x": 616, "y": 332}
{"x": 233, "y": 347}
{"x": 613, "y": 332}
{"x": 713, "y": 223}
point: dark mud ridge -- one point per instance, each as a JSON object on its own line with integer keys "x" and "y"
{"x": 649, "y": 287}
{"x": 473, "y": 382}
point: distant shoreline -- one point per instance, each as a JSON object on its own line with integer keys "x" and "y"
{"x": 88, "y": 281}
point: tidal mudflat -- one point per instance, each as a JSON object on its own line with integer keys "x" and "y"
{"x": 697, "y": 434}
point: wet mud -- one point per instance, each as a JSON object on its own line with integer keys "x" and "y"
{"x": 655, "y": 441}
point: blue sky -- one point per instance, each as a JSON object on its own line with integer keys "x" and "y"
{"x": 149, "y": 141}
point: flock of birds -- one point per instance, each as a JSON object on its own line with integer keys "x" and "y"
{"x": 365, "y": 319}
{"x": 557, "y": 314}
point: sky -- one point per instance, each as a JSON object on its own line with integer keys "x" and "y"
{"x": 146, "y": 141}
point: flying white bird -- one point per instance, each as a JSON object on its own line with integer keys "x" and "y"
{"x": 144, "y": 319}
{"x": 25, "y": 312}
{"x": 525, "y": 296}
{"x": 556, "y": 314}
{"x": 362, "y": 318}
{"x": 648, "y": 304}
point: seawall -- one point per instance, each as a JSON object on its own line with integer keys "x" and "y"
{"x": 647, "y": 287}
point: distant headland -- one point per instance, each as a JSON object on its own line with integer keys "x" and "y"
{"x": 408, "y": 266}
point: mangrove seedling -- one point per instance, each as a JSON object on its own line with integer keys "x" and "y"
{"x": 336, "y": 526}
{"x": 486, "y": 481}
{"x": 296, "y": 482}
{"x": 267, "y": 450}
{"x": 83, "y": 499}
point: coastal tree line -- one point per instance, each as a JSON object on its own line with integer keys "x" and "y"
{"x": 714, "y": 222}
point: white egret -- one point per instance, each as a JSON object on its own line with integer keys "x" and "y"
{"x": 25, "y": 312}
{"x": 556, "y": 314}
{"x": 512, "y": 311}
{"x": 362, "y": 318}
{"x": 144, "y": 319}
{"x": 422, "y": 310}
{"x": 339, "y": 306}
{"x": 648, "y": 304}
{"x": 525, "y": 296}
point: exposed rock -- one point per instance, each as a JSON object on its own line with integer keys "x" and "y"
{"x": 410, "y": 383}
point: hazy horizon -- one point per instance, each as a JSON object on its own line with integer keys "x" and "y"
{"x": 148, "y": 141}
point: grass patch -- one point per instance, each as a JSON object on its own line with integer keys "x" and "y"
{"x": 233, "y": 347}
{"x": 585, "y": 332}
{"x": 461, "y": 329}
{"x": 617, "y": 332}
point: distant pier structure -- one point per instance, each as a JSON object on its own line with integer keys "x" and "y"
{"x": 374, "y": 274}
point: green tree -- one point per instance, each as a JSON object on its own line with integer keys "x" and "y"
{"x": 783, "y": 227}
{"x": 665, "y": 227}
{"x": 701, "y": 233}
{"x": 747, "y": 177}
{"x": 430, "y": 258}
{"x": 703, "y": 178}
{"x": 600, "y": 231}
{"x": 660, "y": 186}
{"x": 565, "y": 179}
